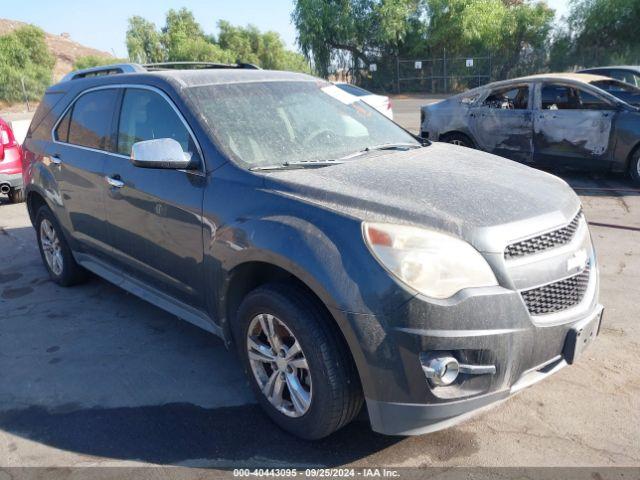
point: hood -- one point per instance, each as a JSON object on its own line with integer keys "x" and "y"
{"x": 477, "y": 196}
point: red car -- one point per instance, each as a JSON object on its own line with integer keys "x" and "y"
{"x": 10, "y": 164}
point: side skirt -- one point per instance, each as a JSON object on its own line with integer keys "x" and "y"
{"x": 151, "y": 295}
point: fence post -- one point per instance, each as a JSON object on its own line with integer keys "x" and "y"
{"x": 444, "y": 69}
{"x": 397, "y": 73}
{"x": 489, "y": 68}
{"x": 24, "y": 93}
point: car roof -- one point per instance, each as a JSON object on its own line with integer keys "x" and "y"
{"x": 572, "y": 77}
{"x": 185, "y": 77}
{"x": 194, "y": 78}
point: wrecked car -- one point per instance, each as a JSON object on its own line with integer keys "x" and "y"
{"x": 346, "y": 261}
{"x": 576, "y": 121}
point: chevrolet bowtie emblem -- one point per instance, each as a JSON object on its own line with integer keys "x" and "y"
{"x": 578, "y": 261}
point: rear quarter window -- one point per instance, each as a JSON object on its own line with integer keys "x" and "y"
{"x": 43, "y": 120}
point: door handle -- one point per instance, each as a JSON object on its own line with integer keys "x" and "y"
{"x": 115, "y": 181}
{"x": 55, "y": 159}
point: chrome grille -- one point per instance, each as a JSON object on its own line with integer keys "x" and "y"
{"x": 543, "y": 242}
{"x": 557, "y": 296}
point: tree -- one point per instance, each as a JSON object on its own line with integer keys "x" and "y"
{"x": 89, "y": 61}
{"x": 24, "y": 57}
{"x": 266, "y": 49}
{"x": 604, "y": 31}
{"x": 144, "y": 42}
{"x": 326, "y": 27}
{"x": 514, "y": 31}
{"x": 183, "y": 39}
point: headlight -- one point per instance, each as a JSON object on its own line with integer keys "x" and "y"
{"x": 435, "y": 264}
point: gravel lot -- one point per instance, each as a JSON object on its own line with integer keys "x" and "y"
{"x": 94, "y": 376}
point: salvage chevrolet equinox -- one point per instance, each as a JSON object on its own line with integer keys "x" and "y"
{"x": 346, "y": 261}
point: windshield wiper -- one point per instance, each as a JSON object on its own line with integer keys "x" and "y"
{"x": 382, "y": 146}
{"x": 296, "y": 164}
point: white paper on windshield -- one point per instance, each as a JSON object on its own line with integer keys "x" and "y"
{"x": 339, "y": 94}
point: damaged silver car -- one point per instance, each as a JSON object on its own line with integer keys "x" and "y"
{"x": 576, "y": 121}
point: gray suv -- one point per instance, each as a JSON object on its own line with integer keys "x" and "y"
{"x": 345, "y": 260}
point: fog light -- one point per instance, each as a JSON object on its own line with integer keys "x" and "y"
{"x": 442, "y": 370}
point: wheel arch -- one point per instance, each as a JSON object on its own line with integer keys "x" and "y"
{"x": 248, "y": 276}
{"x": 34, "y": 201}
{"x": 631, "y": 154}
{"x": 450, "y": 133}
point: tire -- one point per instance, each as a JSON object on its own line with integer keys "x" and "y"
{"x": 634, "y": 167}
{"x": 16, "y": 195}
{"x": 458, "y": 139}
{"x": 331, "y": 380}
{"x": 63, "y": 270}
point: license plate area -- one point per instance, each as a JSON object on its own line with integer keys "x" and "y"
{"x": 580, "y": 336}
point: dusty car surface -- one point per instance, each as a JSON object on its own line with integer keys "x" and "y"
{"x": 575, "y": 121}
{"x": 345, "y": 260}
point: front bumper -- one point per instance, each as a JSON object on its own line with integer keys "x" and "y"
{"x": 14, "y": 180}
{"x": 394, "y": 418}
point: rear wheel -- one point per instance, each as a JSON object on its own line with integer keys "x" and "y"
{"x": 298, "y": 365}
{"x": 55, "y": 252}
{"x": 459, "y": 139}
{"x": 634, "y": 167}
{"x": 16, "y": 195}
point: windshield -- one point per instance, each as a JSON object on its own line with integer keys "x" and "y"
{"x": 277, "y": 123}
{"x": 624, "y": 91}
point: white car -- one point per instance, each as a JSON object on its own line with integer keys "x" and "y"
{"x": 381, "y": 103}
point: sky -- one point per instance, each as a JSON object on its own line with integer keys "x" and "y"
{"x": 105, "y": 27}
{"x": 103, "y": 24}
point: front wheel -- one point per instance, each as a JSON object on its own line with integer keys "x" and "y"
{"x": 458, "y": 139}
{"x": 298, "y": 365}
{"x": 634, "y": 167}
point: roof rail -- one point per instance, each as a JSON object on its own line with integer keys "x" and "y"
{"x": 119, "y": 68}
{"x": 196, "y": 65}
{"x": 114, "y": 69}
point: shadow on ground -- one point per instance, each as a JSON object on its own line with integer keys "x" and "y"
{"x": 175, "y": 433}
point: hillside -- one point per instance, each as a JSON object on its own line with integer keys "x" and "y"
{"x": 62, "y": 47}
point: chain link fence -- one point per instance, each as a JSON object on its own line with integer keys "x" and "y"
{"x": 440, "y": 74}
{"x": 443, "y": 74}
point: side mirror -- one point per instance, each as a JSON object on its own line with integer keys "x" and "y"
{"x": 160, "y": 153}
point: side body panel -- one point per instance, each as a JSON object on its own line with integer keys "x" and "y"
{"x": 574, "y": 138}
{"x": 507, "y": 133}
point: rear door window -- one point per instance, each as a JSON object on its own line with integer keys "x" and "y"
{"x": 91, "y": 119}
{"x": 146, "y": 115}
{"x": 563, "y": 97}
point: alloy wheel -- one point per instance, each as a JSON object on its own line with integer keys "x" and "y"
{"x": 51, "y": 247}
{"x": 279, "y": 365}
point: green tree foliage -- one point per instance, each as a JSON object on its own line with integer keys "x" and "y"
{"x": 144, "y": 43}
{"x": 24, "y": 56}
{"x": 598, "y": 32}
{"x": 514, "y": 32}
{"x": 89, "y": 61}
{"x": 183, "y": 39}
